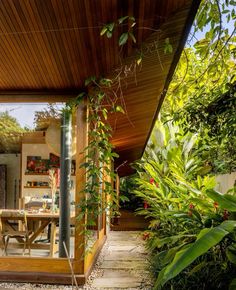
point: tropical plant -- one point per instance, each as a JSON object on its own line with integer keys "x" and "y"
{"x": 188, "y": 231}
{"x": 191, "y": 240}
{"x": 204, "y": 80}
{"x": 220, "y": 239}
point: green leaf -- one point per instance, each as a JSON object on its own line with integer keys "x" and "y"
{"x": 131, "y": 35}
{"x": 119, "y": 109}
{"x": 225, "y": 201}
{"x": 122, "y": 19}
{"x": 123, "y": 198}
{"x": 198, "y": 268}
{"x": 232, "y": 285}
{"x": 185, "y": 257}
{"x": 110, "y": 26}
{"x": 167, "y": 40}
{"x": 231, "y": 256}
{"x": 89, "y": 80}
{"x": 114, "y": 154}
{"x": 104, "y": 112}
{"x": 139, "y": 60}
{"x": 171, "y": 240}
{"x": 168, "y": 48}
{"x": 103, "y": 31}
{"x": 105, "y": 81}
{"x": 109, "y": 34}
{"x": 123, "y": 38}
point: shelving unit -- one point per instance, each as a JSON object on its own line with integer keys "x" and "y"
{"x": 28, "y": 190}
{"x": 38, "y": 173}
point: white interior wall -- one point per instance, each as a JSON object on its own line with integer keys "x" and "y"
{"x": 13, "y": 177}
{"x": 37, "y": 150}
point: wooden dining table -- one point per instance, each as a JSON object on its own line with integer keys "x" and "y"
{"x": 41, "y": 221}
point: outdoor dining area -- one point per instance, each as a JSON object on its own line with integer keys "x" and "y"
{"x": 28, "y": 230}
{"x": 40, "y": 186}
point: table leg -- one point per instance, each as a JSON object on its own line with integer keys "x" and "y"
{"x": 38, "y": 231}
{"x": 53, "y": 246}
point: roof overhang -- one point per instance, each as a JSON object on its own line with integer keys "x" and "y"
{"x": 48, "y": 49}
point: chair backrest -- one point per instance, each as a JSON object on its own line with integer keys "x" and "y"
{"x": 16, "y": 215}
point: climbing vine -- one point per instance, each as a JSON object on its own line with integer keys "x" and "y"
{"x": 105, "y": 97}
{"x": 99, "y": 154}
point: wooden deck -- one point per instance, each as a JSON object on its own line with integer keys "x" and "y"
{"x": 129, "y": 221}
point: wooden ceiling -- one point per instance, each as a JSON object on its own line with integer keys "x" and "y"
{"x": 48, "y": 49}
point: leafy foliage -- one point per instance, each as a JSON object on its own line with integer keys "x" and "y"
{"x": 11, "y": 132}
{"x": 128, "y": 21}
{"x": 192, "y": 242}
{"x": 201, "y": 96}
{"x": 99, "y": 154}
{"x": 42, "y": 117}
{"x": 189, "y": 231}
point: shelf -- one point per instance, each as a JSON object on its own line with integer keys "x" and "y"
{"x": 36, "y": 173}
{"x": 37, "y": 187}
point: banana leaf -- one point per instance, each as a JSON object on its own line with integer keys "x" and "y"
{"x": 225, "y": 201}
{"x": 232, "y": 285}
{"x": 183, "y": 258}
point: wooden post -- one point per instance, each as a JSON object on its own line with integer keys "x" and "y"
{"x": 118, "y": 190}
{"x": 82, "y": 142}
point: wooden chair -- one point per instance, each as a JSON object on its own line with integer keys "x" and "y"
{"x": 9, "y": 232}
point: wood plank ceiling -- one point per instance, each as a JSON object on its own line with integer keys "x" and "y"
{"x": 48, "y": 49}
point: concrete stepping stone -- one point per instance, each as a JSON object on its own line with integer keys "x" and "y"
{"x": 125, "y": 256}
{"x": 118, "y": 248}
{"x": 116, "y": 283}
{"x": 123, "y": 265}
{"x": 117, "y": 238}
{"x": 125, "y": 243}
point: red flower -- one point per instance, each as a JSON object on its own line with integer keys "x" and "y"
{"x": 191, "y": 206}
{"x": 216, "y": 204}
{"x": 146, "y": 236}
{"x": 226, "y": 215}
{"x": 151, "y": 180}
{"x": 145, "y": 205}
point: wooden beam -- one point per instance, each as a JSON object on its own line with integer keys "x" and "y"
{"x": 40, "y": 277}
{"x": 37, "y": 96}
{"x": 92, "y": 256}
{"x": 33, "y": 264}
{"x": 82, "y": 142}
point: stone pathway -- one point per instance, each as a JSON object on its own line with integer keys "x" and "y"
{"x": 123, "y": 263}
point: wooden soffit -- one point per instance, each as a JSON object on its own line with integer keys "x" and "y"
{"x": 48, "y": 49}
